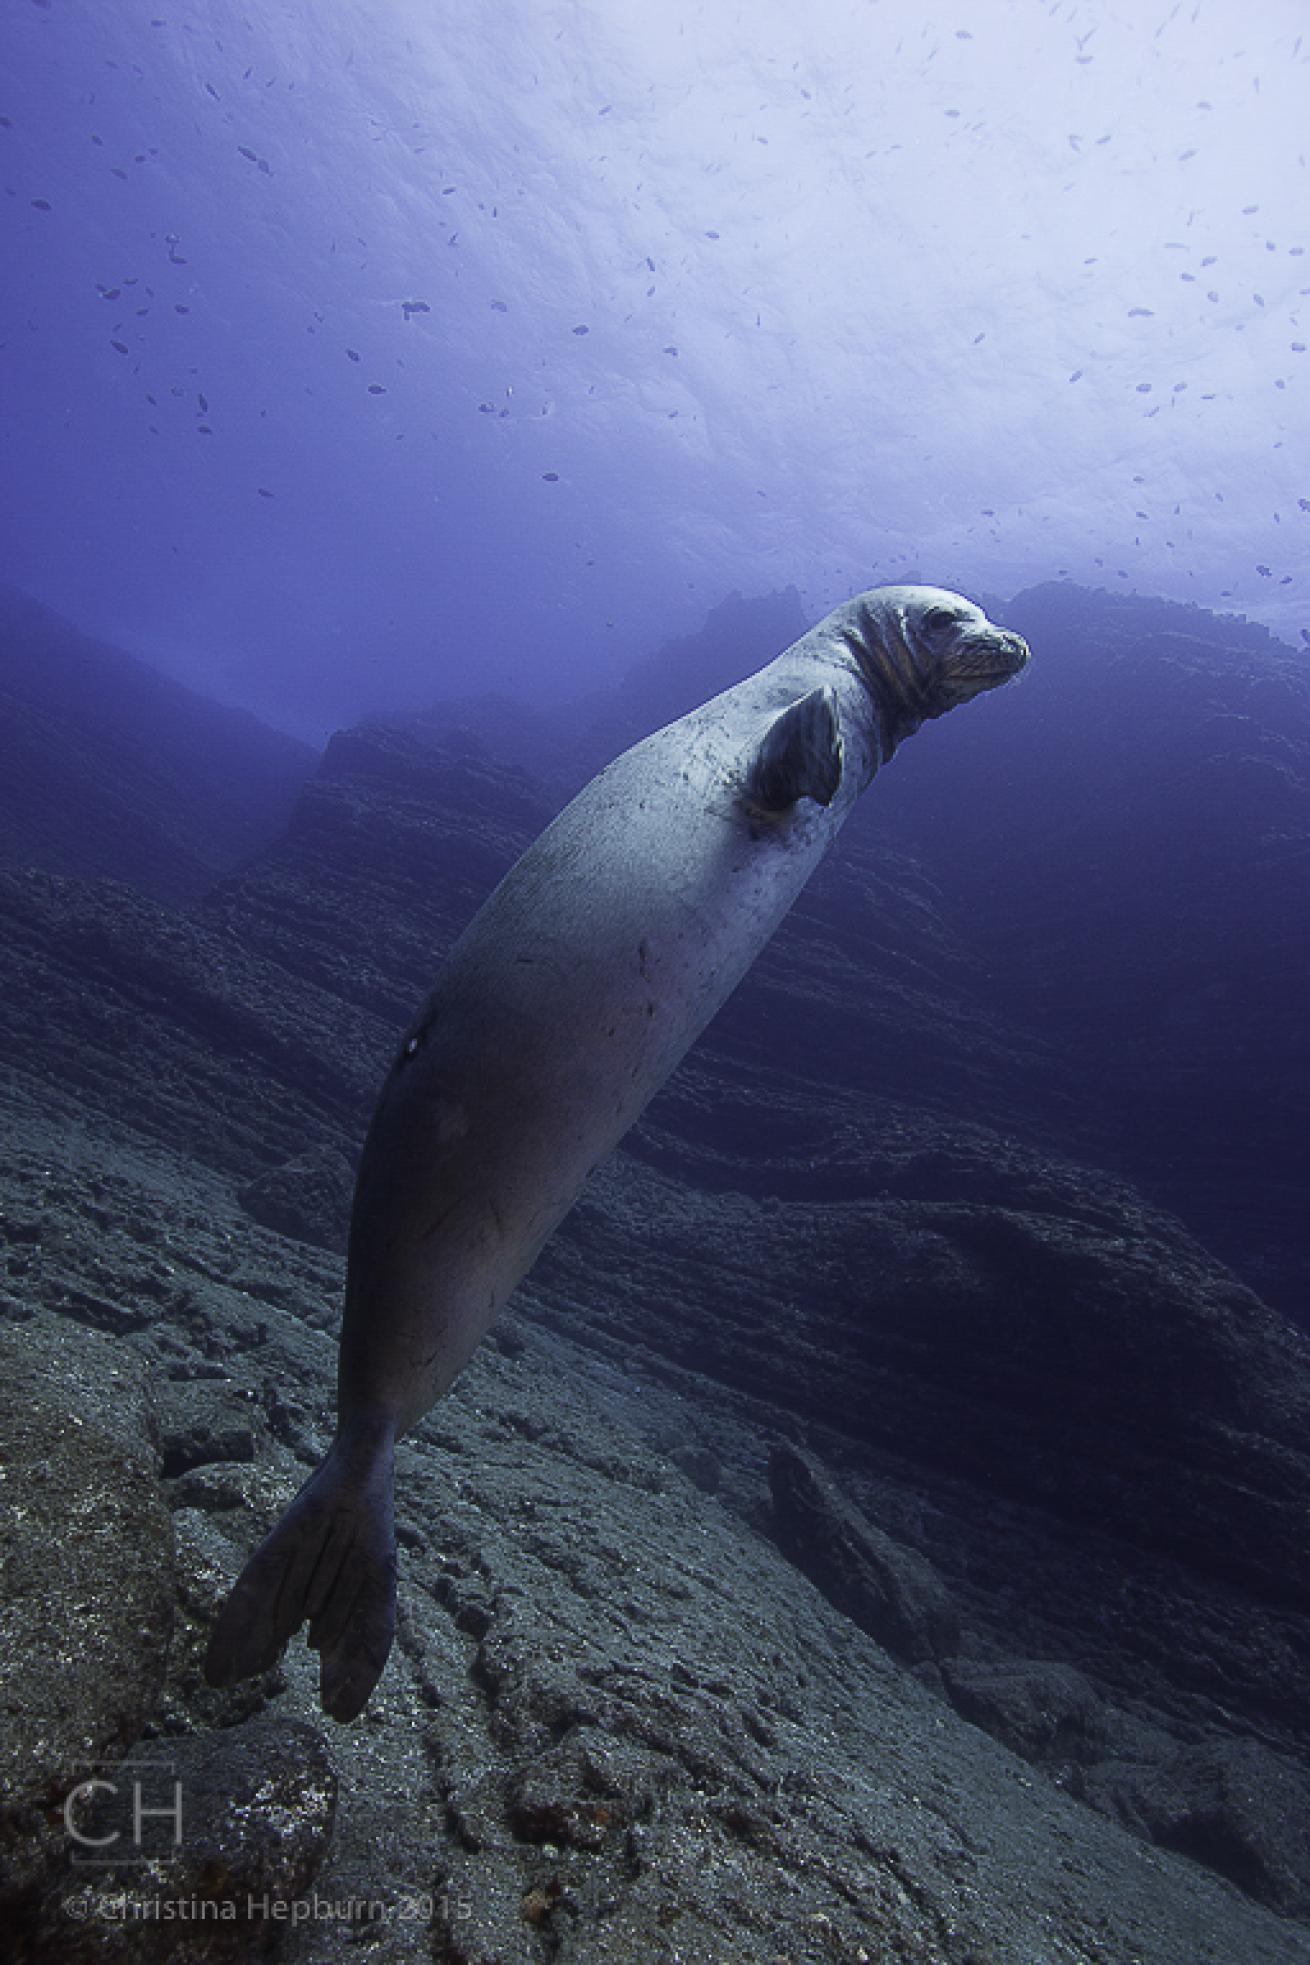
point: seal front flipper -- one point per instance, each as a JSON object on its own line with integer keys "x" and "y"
{"x": 331, "y": 1559}
{"x": 800, "y": 756}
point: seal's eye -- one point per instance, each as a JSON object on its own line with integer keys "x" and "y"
{"x": 939, "y": 617}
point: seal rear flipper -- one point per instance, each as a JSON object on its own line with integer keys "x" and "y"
{"x": 800, "y": 756}
{"x": 332, "y": 1560}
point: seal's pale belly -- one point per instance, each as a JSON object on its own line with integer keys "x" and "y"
{"x": 561, "y": 1011}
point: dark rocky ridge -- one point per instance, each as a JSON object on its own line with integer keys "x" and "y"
{"x": 1135, "y": 892}
{"x": 860, "y": 1221}
{"x": 562, "y": 745}
{"x": 108, "y": 767}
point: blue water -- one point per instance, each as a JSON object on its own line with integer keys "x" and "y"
{"x": 352, "y": 355}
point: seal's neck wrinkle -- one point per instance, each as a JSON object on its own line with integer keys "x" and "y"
{"x": 886, "y": 661}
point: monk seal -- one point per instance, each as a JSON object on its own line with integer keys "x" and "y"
{"x": 560, "y": 1011}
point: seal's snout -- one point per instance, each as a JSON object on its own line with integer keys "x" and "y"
{"x": 984, "y": 657}
{"x": 996, "y": 652}
{"x": 1015, "y": 649}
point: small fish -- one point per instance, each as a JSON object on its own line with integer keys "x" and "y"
{"x": 179, "y": 307}
{"x": 204, "y": 403}
{"x": 43, "y": 204}
{"x": 353, "y": 354}
{"x": 409, "y": 307}
{"x": 110, "y": 293}
{"x": 1139, "y": 313}
{"x": 121, "y": 346}
{"x": 582, "y": 330}
{"x": 499, "y": 307}
{"x": 247, "y": 153}
{"x": 550, "y": 477}
{"x": 376, "y": 389}
{"x": 203, "y": 430}
{"x": 670, "y": 350}
{"x": 263, "y": 493}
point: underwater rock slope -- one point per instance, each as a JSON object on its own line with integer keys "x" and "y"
{"x": 877, "y": 1531}
{"x": 108, "y": 767}
{"x": 1134, "y": 885}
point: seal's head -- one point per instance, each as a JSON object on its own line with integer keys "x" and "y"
{"x": 922, "y": 650}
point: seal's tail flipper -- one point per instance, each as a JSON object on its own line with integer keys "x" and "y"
{"x": 331, "y": 1559}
